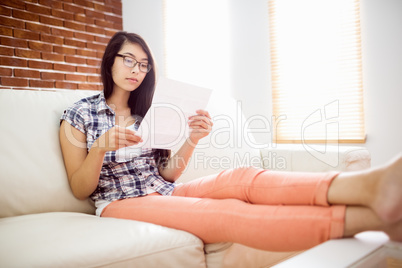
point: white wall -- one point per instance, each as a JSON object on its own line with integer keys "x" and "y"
{"x": 382, "y": 76}
{"x": 382, "y": 63}
{"x": 146, "y": 19}
{"x": 251, "y": 75}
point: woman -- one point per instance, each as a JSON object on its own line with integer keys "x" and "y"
{"x": 258, "y": 208}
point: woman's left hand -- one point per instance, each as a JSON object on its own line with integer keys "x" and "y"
{"x": 200, "y": 125}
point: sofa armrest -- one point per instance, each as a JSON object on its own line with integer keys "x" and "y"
{"x": 315, "y": 158}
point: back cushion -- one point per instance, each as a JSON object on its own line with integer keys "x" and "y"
{"x": 32, "y": 175}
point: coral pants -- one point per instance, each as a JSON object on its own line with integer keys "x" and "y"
{"x": 276, "y": 211}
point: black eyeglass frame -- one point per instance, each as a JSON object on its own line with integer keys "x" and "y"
{"x": 142, "y": 66}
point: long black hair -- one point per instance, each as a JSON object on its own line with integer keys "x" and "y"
{"x": 140, "y": 99}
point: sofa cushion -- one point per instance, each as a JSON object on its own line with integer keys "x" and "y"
{"x": 318, "y": 158}
{"x": 89, "y": 241}
{"x": 33, "y": 177}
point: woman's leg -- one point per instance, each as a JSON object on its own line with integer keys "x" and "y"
{"x": 374, "y": 197}
{"x": 280, "y": 227}
{"x": 258, "y": 186}
{"x": 379, "y": 189}
{"x": 359, "y": 219}
{"x": 275, "y": 228}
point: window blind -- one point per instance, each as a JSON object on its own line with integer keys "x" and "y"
{"x": 316, "y": 65}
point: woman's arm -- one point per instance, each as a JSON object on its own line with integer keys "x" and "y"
{"x": 83, "y": 167}
{"x": 200, "y": 126}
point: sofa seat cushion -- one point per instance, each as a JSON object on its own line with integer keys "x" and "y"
{"x": 88, "y": 241}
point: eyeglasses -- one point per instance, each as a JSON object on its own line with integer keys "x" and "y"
{"x": 130, "y": 62}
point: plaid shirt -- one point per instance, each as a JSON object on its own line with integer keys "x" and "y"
{"x": 118, "y": 179}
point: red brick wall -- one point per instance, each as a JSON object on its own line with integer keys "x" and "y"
{"x": 55, "y": 44}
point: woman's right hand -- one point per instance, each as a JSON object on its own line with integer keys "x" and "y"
{"x": 83, "y": 167}
{"x": 115, "y": 138}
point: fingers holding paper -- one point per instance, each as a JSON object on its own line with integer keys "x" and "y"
{"x": 200, "y": 125}
{"x": 127, "y": 137}
{"x": 117, "y": 137}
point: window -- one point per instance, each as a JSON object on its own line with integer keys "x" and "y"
{"x": 316, "y": 70}
{"x": 197, "y": 39}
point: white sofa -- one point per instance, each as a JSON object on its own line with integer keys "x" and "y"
{"x": 43, "y": 225}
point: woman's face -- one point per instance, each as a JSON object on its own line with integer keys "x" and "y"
{"x": 126, "y": 78}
